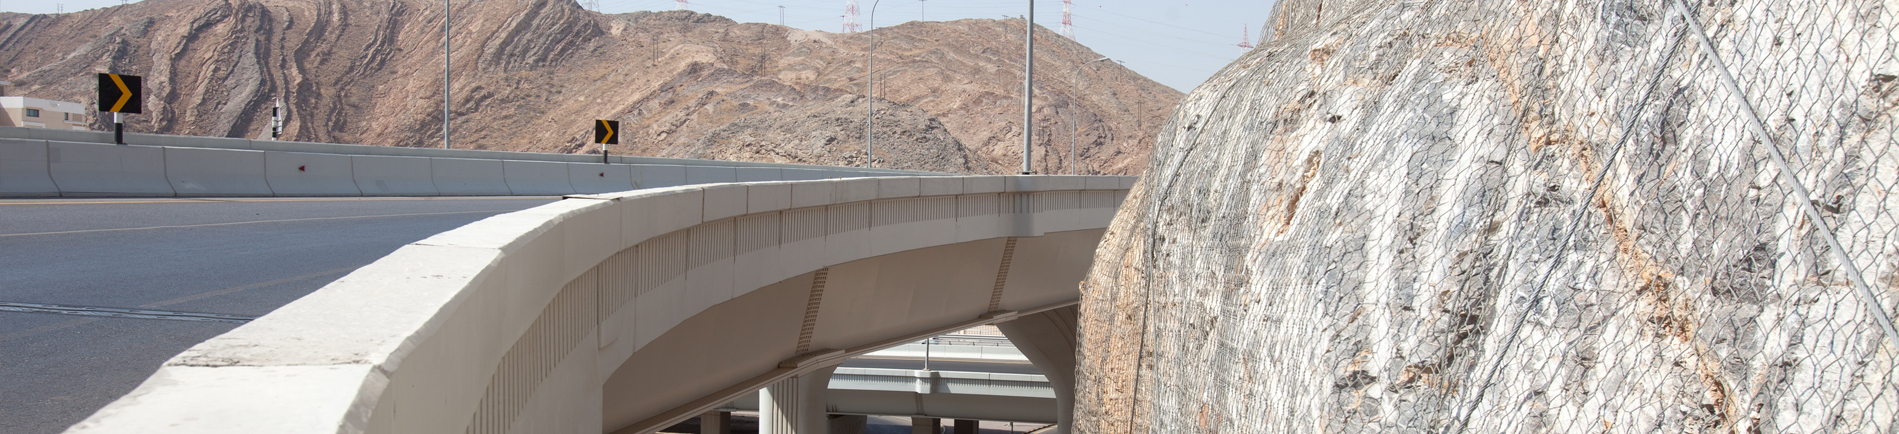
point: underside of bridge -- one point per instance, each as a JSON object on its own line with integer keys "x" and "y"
{"x": 857, "y": 307}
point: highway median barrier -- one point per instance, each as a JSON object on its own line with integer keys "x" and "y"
{"x": 468, "y": 177}
{"x": 216, "y": 172}
{"x": 660, "y": 176}
{"x": 39, "y": 162}
{"x": 757, "y": 174}
{"x": 189, "y": 141}
{"x": 802, "y": 174}
{"x": 306, "y": 174}
{"x": 537, "y": 178}
{"x": 593, "y": 178}
{"x": 710, "y": 174}
{"x": 84, "y": 169}
{"x": 23, "y": 169}
{"x": 393, "y": 176}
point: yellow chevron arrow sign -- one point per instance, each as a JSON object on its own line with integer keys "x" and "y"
{"x": 603, "y": 132}
{"x": 121, "y": 93}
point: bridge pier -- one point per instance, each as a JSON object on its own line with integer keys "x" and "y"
{"x": 715, "y": 422}
{"x": 795, "y": 405}
{"x": 849, "y": 423}
{"x": 926, "y": 425}
{"x": 1047, "y": 339}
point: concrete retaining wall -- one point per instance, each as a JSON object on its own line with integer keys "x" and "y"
{"x": 36, "y": 162}
{"x": 515, "y": 323}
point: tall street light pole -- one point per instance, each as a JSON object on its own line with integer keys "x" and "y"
{"x": 446, "y": 6}
{"x": 1028, "y": 90}
{"x": 1071, "y": 115}
{"x": 870, "y": 91}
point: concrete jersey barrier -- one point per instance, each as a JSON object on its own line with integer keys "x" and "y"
{"x": 23, "y": 169}
{"x": 593, "y": 178}
{"x": 216, "y": 172}
{"x": 304, "y": 174}
{"x": 35, "y": 162}
{"x": 468, "y": 177}
{"x": 83, "y": 169}
{"x": 538, "y": 178}
{"x": 393, "y": 176}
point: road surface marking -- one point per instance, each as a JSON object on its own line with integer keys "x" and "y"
{"x": 207, "y": 200}
{"x": 113, "y": 312}
{"x": 245, "y": 287}
{"x": 251, "y": 222}
{"x": 80, "y": 322}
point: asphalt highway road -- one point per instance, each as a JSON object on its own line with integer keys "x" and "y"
{"x": 964, "y": 365}
{"x": 96, "y": 294}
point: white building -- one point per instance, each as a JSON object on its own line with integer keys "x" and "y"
{"x": 20, "y": 111}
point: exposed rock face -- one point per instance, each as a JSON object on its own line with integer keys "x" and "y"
{"x": 531, "y": 75}
{"x": 827, "y": 133}
{"x": 1533, "y": 216}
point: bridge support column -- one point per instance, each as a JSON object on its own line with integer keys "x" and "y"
{"x": 967, "y": 426}
{"x": 795, "y": 405}
{"x": 1047, "y": 339}
{"x": 715, "y": 422}
{"x": 926, "y": 425}
{"x": 849, "y": 423}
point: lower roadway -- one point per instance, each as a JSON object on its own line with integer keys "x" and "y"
{"x": 96, "y": 293}
{"x": 960, "y": 365}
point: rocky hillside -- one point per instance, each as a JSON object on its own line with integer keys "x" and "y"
{"x": 530, "y": 75}
{"x": 833, "y": 131}
{"x": 1529, "y": 216}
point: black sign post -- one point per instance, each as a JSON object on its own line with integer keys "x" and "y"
{"x": 121, "y": 94}
{"x": 605, "y": 133}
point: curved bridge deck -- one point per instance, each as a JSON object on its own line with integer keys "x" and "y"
{"x": 628, "y": 312}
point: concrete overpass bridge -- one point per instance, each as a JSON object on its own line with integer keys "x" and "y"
{"x": 629, "y": 311}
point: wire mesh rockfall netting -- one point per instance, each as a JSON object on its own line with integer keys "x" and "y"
{"x": 1533, "y": 216}
{"x": 1715, "y": 251}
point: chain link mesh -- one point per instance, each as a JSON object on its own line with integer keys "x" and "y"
{"x": 1733, "y": 312}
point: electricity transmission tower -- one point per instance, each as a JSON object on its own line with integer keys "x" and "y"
{"x": 850, "y": 17}
{"x": 1068, "y": 19}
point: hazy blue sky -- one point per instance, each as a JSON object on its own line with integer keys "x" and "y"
{"x": 1176, "y": 42}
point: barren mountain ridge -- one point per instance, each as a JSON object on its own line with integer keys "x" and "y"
{"x": 532, "y": 75}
